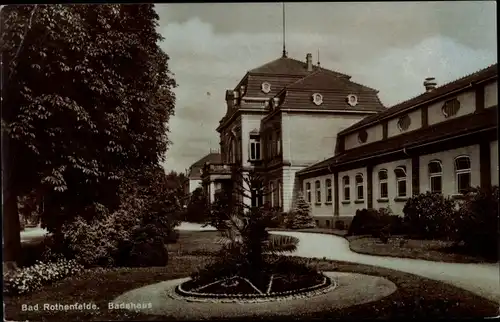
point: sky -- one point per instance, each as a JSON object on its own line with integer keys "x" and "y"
{"x": 390, "y": 46}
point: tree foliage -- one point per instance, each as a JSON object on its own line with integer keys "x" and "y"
{"x": 300, "y": 216}
{"x": 242, "y": 225}
{"x": 87, "y": 96}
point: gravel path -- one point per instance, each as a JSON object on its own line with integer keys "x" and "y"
{"x": 482, "y": 279}
{"x": 352, "y": 289}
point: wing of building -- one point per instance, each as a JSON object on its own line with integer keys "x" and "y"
{"x": 195, "y": 170}
{"x": 313, "y": 130}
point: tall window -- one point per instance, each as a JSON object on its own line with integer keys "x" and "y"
{"x": 279, "y": 194}
{"x": 254, "y": 148}
{"x": 308, "y": 192}
{"x": 278, "y": 143}
{"x": 359, "y": 187}
{"x": 257, "y": 195}
{"x": 271, "y": 193}
{"x": 318, "y": 191}
{"x": 347, "y": 188}
{"x": 463, "y": 174}
{"x": 400, "y": 181}
{"x": 383, "y": 188}
{"x": 328, "y": 185}
{"x": 436, "y": 176}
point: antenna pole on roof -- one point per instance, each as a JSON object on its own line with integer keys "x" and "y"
{"x": 284, "y": 31}
{"x": 319, "y": 64}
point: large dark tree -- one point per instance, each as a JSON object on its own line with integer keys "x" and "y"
{"x": 87, "y": 96}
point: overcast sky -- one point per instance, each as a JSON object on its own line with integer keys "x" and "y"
{"x": 389, "y": 46}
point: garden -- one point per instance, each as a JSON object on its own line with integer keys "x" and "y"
{"x": 433, "y": 227}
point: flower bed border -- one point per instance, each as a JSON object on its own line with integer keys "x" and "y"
{"x": 326, "y": 286}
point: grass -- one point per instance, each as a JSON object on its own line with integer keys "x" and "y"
{"x": 415, "y": 297}
{"x": 432, "y": 250}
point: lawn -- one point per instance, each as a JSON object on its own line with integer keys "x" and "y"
{"x": 432, "y": 250}
{"x": 415, "y": 297}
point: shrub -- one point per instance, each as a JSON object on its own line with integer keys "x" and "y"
{"x": 145, "y": 248}
{"x": 339, "y": 224}
{"x": 196, "y": 208}
{"x": 429, "y": 216}
{"x": 477, "y": 222}
{"x": 32, "y": 278}
{"x": 300, "y": 216}
{"x": 369, "y": 222}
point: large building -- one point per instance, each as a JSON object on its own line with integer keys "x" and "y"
{"x": 314, "y": 130}
{"x": 195, "y": 170}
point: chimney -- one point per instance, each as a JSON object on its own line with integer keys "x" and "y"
{"x": 309, "y": 60}
{"x": 430, "y": 84}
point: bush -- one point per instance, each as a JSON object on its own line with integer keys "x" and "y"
{"x": 477, "y": 222}
{"x": 32, "y": 278}
{"x": 368, "y": 222}
{"x": 145, "y": 248}
{"x": 277, "y": 217}
{"x": 196, "y": 208}
{"x": 339, "y": 224}
{"x": 429, "y": 216}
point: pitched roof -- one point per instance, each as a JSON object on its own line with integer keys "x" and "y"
{"x": 290, "y": 66}
{"x": 460, "y": 125}
{"x": 334, "y": 91}
{"x": 478, "y": 76}
{"x": 195, "y": 169}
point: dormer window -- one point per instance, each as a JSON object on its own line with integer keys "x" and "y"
{"x": 276, "y": 102}
{"x": 317, "y": 98}
{"x": 242, "y": 90}
{"x": 266, "y": 87}
{"x": 352, "y": 100}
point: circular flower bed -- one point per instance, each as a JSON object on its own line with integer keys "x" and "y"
{"x": 279, "y": 279}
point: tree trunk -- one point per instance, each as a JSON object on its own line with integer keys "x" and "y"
{"x": 11, "y": 223}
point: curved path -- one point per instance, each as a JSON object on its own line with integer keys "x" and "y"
{"x": 482, "y": 279}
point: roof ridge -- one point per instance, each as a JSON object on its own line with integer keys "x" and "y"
{"x": 395, "y": 108}
{"x": 445, "y": 84}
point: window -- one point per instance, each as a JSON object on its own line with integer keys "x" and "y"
{"x": 359, "y": 187}
{"x": 463, "y": 174}
{"x": 278, "y": 143}
{"x": 400, "y": 181}
{"x": 328, "y": 223}
{"x": 257, "y": 195}
{"x": 271, "y": 193}
{"x": 318, "y": 191}
{"x": 254, "y": 149}
{"x": 347, "y": 192}
{"x": 383, "y": 189}
{"x": 279, "y": 194}
{"x": 435, "y": 176}
{"x": 308, "y": 192}
{"x": 328, "y": 185}
{"x": 270, "y": 152}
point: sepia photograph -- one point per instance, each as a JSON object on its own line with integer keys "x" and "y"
{"x": 250, "y": 161}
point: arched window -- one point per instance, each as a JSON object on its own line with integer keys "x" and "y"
{"x": 436, "y": 176}
{"x": 347, "y": 188}
{"x": 359, "y": 187}
{"x": 308, "y": 192}
{"x": 400, "y": 181}
{"x": 328, "y": 185}
{"x": 318, "y": 191}
{"x": 383, "y": 188}
{"x": 463, "y": 174}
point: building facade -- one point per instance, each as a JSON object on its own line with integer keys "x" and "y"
{"x": 194, "y": 173}
{"x": 312, "y": 130}
{"x": 444, "y": 141}
{"x": 283, "y": 117}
